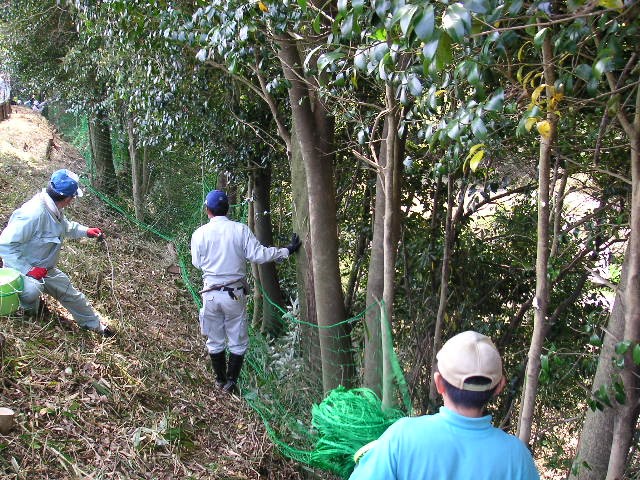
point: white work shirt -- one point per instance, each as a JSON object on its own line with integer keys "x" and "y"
{"x": 35, "y": 233}
{"x": 222, "y": 247}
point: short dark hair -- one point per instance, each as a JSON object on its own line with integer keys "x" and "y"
{"x": 55, "y": 196}
{"x": 470, "y": 398}
{"x": 220, "y": 210}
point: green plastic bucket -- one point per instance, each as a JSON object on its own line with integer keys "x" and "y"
{"x": 11, "y": 284}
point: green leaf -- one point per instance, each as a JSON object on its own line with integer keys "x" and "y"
{"x": 328, "y": 58}
{"x": 539, "y": 38}
{"x": 584, "y": 72}
{"x": 360, "y": 60}
{"x": 405, "y": 15}
{"x": 342, "y": 6}
{"x": 444, "y": 55}
{"x": 544, "y": 362}
{"x": 602, "y": 395}
{"x": 478, "y": 128}
{"x": 415, "y": 86}
{"x": 380, "y": 35}
{"x": 622, "y": 347}
{"x": 425, "y": 24}
{"x": 473, "y": 75}
{"x": 316, "y": 24}
{"x": 382, "y": 7}
{"x": 635, "y": 354}
{"x": 430, "y": 49}
{"x": 620, "y": 394}
{"x": 595, "y": 340}
{"x": 453, "y": 129}
{"x": 601, "y": 66}
{"x": 475, "y": 160}
{"x": 614, "y": 4}
{"x": 302, "y": 4}
{"x": 477, "y": 6}
{"x": 515, "y": 7}
{"x": 494, "y": 104}
{"x": 456, "y": 21}
{"x": 346, "y": 27}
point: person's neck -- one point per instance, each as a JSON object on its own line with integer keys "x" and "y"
{"x": 464, "y": 411}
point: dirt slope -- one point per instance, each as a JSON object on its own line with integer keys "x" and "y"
{"x": 139, "y": 406}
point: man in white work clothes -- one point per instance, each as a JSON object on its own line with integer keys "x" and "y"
{"x": 221, "y": 249}
{"x": 31, "y": 244}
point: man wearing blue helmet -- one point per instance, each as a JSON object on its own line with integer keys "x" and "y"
{"x": 31, "y": 244}
{"x": 221, "y": 249}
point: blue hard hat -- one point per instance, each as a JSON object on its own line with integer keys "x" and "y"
{"x": 66, "y": 183}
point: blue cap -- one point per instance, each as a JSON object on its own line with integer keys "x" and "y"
{"x": 215, "y": 199}
{"x": 66, "y": 183}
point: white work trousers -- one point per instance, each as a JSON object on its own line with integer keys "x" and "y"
{"x": 58, "y": 285}
{"x": 223, "y": 320}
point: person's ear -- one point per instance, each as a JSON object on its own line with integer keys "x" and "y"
{"x": 500, "y": 387}
{"x": 439, "y": 382}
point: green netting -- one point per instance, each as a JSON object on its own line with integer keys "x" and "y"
{"x": 283, "y": 383}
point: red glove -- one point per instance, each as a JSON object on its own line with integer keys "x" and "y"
{"x": 37, "y": 272}
{"x": 94, "y": 232}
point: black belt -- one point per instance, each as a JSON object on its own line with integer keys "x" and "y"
{"x": 224, "y": 288}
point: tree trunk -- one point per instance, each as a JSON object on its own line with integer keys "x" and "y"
{"x": 136, "y": 172}
{"x": 594, "y": 447}
{"x": 256, "y": 321}
{"x": 390, "y": 241}
{"x": 541, "y": 301}
{"x": 272, "y": 299}
{"x": 372, "y": 375}
{"x": 310, "y": 339}
{"x": 104, "y": 173}
{"x": 627, "y": 413}
{"x": 444, "y": 288}
{"x": 359, "y": 255}
{"x": 335, "y": 344}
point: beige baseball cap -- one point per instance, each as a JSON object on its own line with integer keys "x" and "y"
{"x": 470, "y": 354}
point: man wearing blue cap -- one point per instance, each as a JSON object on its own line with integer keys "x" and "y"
{"x": 31, "y": 244}
{"x": 221, "y": 249}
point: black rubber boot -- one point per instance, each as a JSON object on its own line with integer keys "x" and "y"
{"x": 219, "y": 362}
{"x": 233, "y": 373}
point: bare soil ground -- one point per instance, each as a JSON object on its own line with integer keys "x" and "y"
{"x": 141, "y": 405}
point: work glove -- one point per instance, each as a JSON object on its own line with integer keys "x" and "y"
{"x": 37, "y": 272}
{"x": 94, "y": 233}
{"x": 294, "y": 244}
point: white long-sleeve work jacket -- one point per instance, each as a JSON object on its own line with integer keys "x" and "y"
{"x": 222, "y": 247}
{"x": 35, "y": 233}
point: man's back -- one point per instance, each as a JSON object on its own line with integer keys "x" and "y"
{"x": 446, "y": 446}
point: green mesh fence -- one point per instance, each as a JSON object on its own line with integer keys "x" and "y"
{"x": 283, "y": 382}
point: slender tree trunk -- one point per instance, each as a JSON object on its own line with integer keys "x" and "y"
{"x": 391, "y": 233}
{"x": 272, "y": 298}
{"x": 594, "y": 447}
{"x": 627, "y": 413}
{"x": 359, "y": 254}
{"x": 542, "y": 256}
{"x": 136, "y": 172}
{"x": 335, "y": 344}
{"x": 372, "y": 376}
{"x": 102, "y": 154}
{"x": 444, "y": 288}
{"x": 310, "y": 338}
{"x": 255, "y": 272}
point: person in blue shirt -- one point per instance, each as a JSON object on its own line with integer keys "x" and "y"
{"x": 459, "y": 442}
{"x": 31, "y": 244}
